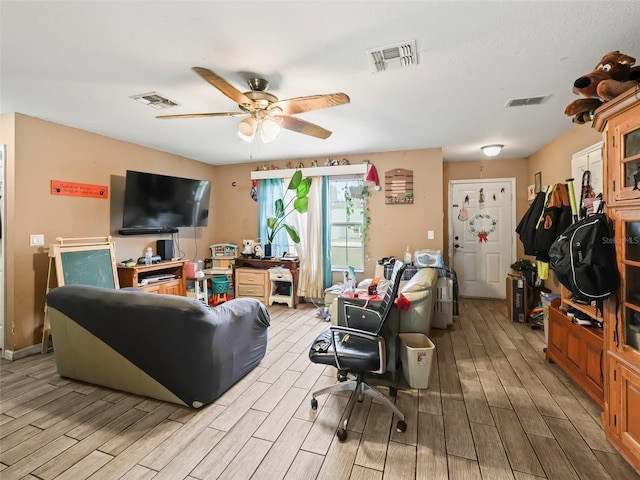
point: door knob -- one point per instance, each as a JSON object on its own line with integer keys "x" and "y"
{"x": 458, "y": 246}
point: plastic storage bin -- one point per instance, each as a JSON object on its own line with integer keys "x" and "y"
{"x": 443, "y": 309}
{"x": 417, "y": 358}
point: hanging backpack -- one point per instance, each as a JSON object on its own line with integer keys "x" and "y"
{"x": 584, "y": 259}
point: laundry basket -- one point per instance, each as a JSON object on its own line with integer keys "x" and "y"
{"x": 220, "y": 284}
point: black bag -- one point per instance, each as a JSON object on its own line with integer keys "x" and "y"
{"x": 584, "y": 259}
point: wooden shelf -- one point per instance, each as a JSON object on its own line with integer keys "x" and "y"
{"x": 134, "y": 276}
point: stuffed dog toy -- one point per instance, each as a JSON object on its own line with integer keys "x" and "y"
{"x": 613, "y": 75}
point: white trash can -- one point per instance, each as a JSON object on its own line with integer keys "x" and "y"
{"x": 417, "y": 358}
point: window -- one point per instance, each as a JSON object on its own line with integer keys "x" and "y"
{"x": 346, "y": 217}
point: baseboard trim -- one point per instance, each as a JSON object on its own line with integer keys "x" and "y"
{"x": 23, "y": 352}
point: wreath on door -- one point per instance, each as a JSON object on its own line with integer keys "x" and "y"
{"x": 481, "y": 225}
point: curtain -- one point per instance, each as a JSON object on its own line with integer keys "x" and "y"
{"x": 311, "y": 281}
{"x": 326, "y": 235}
{"x": 269, "y": 190}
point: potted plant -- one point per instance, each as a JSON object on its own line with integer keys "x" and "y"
{"x": 300, "y": 204}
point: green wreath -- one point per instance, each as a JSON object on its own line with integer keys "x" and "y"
{"x": 481, "y": 225}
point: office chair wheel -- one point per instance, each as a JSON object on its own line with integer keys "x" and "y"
{"x": 341, "y": 434}
{"x": 314, "y": 404}
{"x": 393, "y": 392}
{"x": 401, "y": 426}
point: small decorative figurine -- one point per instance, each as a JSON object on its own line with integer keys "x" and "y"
{"x": 314, "y": 163}
{"x": 300, "y": 165}
{"x": 288, "y": 165}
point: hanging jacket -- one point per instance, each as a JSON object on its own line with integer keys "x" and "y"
{"x": 556, "y": 217}
{"x": 526, "y": 228}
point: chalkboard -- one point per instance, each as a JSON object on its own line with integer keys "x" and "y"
{"x": 85, "y": 263}
{"x": 88, "y": 267}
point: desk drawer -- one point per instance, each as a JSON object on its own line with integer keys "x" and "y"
{"x": 250, "y": 277}
{"x": 280, "y": 275}
{"x": 245, "y": 290}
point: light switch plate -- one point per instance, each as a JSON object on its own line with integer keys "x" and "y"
{"x": 36, "y": 240}
{"x": 430, "y": 235}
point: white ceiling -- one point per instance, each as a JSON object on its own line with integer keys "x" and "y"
{"x": 77, "y": 64}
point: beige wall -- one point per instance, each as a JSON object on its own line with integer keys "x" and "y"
{"x": 488, "y": 168}
{"x": 392, "y": 228}
{"x": 41, "y": 151}
{"x": 554, "y": 159}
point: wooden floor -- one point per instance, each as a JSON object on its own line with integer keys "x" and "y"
{"x": 494, "y": 410}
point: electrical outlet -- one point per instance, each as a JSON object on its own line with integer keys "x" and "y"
{"x": 36, "y": 240}
{"x": 430, "y": 235}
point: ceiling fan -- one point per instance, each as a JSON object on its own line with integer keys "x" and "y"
{"x": 266, "y": 114}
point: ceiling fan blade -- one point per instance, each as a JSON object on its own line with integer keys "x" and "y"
{"x": 197, "y": 115}
{"x": 302, "y": 126}
{"x": 313, "y": 102}
{"x": 222, "y": 85}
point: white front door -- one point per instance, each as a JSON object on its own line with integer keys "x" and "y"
{"x": 481, "y": 235}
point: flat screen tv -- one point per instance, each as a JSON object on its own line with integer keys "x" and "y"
{"x": 162, "y": 202}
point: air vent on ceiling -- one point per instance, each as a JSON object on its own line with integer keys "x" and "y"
{"x": 155, "y": 100}
{"x": 525, "y": 102}
{"x": 393, "y": 56}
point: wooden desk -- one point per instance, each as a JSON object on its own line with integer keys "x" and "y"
{"x": 264, "y": 264}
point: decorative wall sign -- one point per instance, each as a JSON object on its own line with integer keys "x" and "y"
{"x": 481, "y": 225}
{"x": 59, "y": 187}
{"x": 398, "y": 186}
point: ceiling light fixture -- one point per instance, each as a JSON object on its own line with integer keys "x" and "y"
{"x": 263, "y": 123}
{"x": 492, "y": 150}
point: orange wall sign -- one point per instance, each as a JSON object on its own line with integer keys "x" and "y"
{"x": 58, "y": 187}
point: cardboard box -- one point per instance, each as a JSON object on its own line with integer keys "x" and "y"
{"x": 517, "y": 298}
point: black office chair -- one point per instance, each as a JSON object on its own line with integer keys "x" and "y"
{"x": 358, "y": 348}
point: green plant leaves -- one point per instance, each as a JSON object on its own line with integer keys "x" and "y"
{"x": 275, "y": 223}
{"x": 293, "y": 233}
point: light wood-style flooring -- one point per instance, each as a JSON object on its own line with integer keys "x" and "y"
{"x": 495, "y": 409}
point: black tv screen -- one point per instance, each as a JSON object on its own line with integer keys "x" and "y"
{"x": 160, "y": 201}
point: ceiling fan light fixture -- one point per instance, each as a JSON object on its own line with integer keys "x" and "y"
{"x": 247, "y": 129}
{"x": 492, "y": 150}
{"x": 269, "y": 130}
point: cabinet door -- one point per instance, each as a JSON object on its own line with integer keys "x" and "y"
{"x": 172, "y": 288}
{"x": 630, "y": 410}
{"x": 588, "y": 159}
{"x": 557, "y": 331}
{"x": 593, "y": 350}
{"x": 624, "y": 158}
{"x": 627, "y": 236}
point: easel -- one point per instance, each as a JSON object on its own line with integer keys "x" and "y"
{"x": 80, "y": 246}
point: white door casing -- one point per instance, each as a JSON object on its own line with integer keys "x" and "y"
{"x": 482, "y": 246}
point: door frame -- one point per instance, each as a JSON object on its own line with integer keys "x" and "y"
{"x": 511, "y": 180}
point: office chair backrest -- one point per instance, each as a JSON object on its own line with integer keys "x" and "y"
{"x": 392, "y": 292}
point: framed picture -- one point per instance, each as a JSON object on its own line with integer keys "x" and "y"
{"x": 537, "y": 182}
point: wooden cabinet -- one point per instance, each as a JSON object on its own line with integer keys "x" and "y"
{"x": 578, "y": 350}
{"x": 262, "y": 265}
{"x": 252, "y": 282}
{"x": 619, "y": 119}
{"x": 142, "y": 276}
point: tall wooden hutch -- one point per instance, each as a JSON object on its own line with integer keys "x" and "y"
{"x": 619, "y": 119}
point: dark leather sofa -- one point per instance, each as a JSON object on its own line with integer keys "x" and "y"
{"x": 166, "y": 347}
